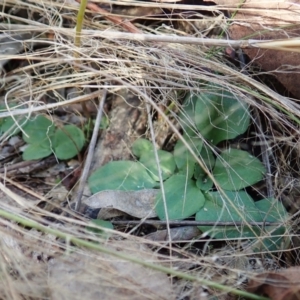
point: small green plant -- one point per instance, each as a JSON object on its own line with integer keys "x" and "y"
{"x": 212, "y": 116}
{"x": 98, "y": 226}
{"x": 44, "y": 138}
{"x": 8, "y": 125}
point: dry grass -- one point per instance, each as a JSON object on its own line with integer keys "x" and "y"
{"x": 38, "y": 263}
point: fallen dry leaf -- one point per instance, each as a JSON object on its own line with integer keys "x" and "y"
{"x": 139, "y": 204}
{"x": 267, "y": 12}
{"x": 177, "y": 234}
{"x": 268, "y": 20}
{"x": 284, "y": 285}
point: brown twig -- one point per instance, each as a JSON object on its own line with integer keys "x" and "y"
{"x": 127, "y": 25}
{"x": 27, "y": 167}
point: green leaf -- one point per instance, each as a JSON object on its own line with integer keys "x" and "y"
{"x": 208, "y": 159}
{"x": 204, "y": 183}
{"x": 36, "y": 151}
{"x": 166, "y": 162}
{"x": 219, "y": 115}
{"x": 183, "y": 198}
{"x": 218, "y": 209}
{"x": 141, "y": 146}
{"x": 185, "y": 161}
{"x": 272, "y": 210}
{"x": 276, "y": 238}
{"x": 121, "y": 175}
{"x": 100, "y": 225}
{"x": 39, "y": 130}
{"x": 273, "y": 238}
{"x": 236, "y": 169}
{"x": 104, "y": 123}
{"x": 68, "y": 141}
{"x": 187, "y": 115}
{"x": 8, "y": 124}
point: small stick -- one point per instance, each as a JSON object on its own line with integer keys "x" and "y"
{"x": 192, "y": 223}
{"x": 28, "y": 166}
{"x": 90, "y": 154}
